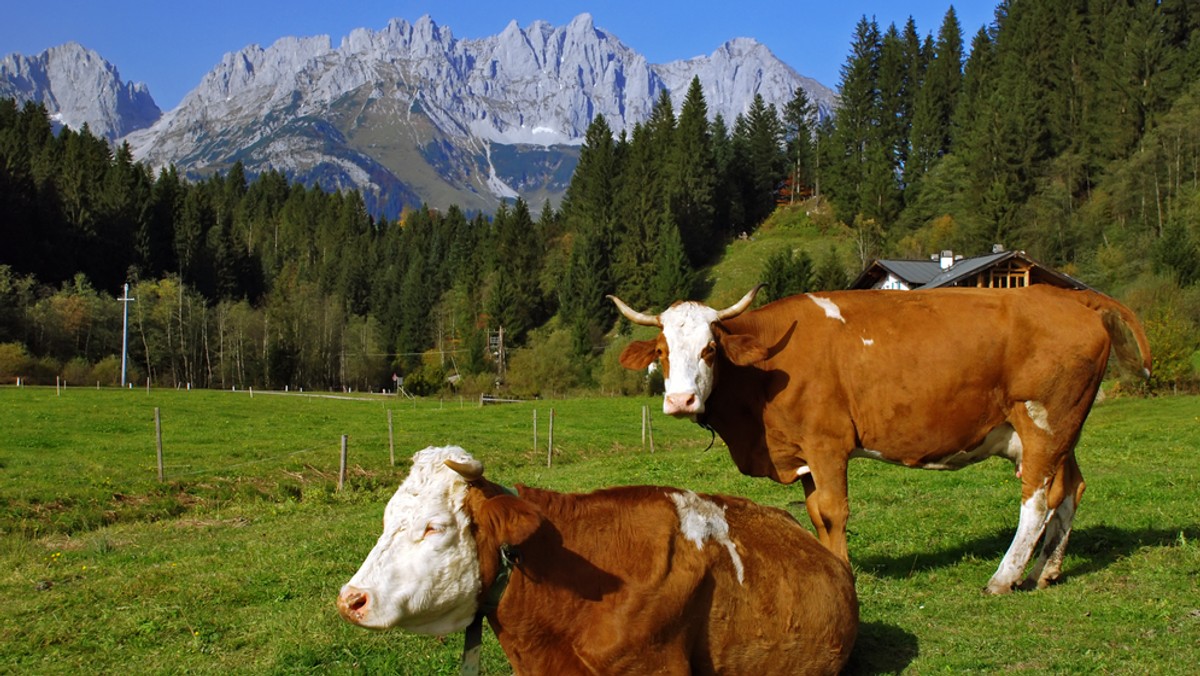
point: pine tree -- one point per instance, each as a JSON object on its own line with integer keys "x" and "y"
{"x": 589, "y": 209}
{"x": 692, "y": 180}
{"x": 758, "y": 139}
{"x": 728, "y": 214}
{"x": 589, "y": 203}
{"x": 799, "y": 120}
{"x": 936, "y": 100}
{"x": 672, "y": 275}
{"x": 853, "y": 135}
{"x": 516, "y": 303}
{"x": 887, "y": 144}
{"x": 643, "y": 211}
{"x": 786, "y": 273}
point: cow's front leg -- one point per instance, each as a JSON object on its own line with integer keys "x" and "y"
{"x": 826, "y": 500}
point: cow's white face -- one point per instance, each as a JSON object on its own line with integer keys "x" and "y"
{"x": 423, "y": 573}
{"x": 687, "y": 346}
{"x": 688, "y": 357}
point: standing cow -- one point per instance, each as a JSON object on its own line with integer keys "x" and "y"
{"x": 936, "y": 379}
{"x": 625, "y": 580}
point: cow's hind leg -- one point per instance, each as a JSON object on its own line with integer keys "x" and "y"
{"x": 1034, "y": 512}
{"x": 1065, "y": 494}
{"x": 1047, "y": 434}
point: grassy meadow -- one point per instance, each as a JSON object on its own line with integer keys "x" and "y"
{"x": 233, "y": 563}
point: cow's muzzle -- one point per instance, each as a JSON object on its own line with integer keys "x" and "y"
{"x": 352, "y": 604}
{"x": 682, "y": 404}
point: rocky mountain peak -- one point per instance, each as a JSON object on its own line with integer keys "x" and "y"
{"x": 78, "y": 86}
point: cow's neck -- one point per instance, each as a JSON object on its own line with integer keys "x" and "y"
{"x": 735, "y": 411}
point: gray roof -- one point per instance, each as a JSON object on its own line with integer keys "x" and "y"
{"x": 914, "y": 272}
{"x": 965, "y": 268}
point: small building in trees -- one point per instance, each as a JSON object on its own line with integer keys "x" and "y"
{"x": 999, "y": 270}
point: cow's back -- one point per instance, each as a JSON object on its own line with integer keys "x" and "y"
{"x": 882, "y": 369}
{"x": 791, "y": 578}
{"x": 635, "y": 580}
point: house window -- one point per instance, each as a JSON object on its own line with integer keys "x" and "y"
{"x": 1006, "y": 277}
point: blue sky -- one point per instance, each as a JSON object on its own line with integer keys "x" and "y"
{"x": 171, "y": 45}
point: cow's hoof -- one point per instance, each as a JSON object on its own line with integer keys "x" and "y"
{"x": 996, "y": 589}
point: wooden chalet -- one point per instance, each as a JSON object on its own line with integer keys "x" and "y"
{"x": 1000, "y": 269}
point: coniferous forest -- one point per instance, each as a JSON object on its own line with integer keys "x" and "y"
{"x": 1067, "y": 128}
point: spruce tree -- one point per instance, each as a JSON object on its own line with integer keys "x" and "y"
{"x": 936, "y": 100}
{"x": 758, "y": 138}
{"x": 589, "y": 209}
{"x": 853, "y": 135}
{"x": 643, "y": 211}
{"x": 799, "y": 120}
{"x": 692, "y": 180}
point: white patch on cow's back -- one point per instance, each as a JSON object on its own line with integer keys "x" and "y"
{"x": 831, "y": 309}
{"x": 701, "y": 520}
{"x": 1039, "y": 415}
{"x": 868, "y": 342}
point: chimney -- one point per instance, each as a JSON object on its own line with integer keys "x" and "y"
{"x": 947, "y": 259}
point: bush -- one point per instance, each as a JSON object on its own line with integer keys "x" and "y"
{"x": 14, "y": 361}
{"x": 108, "y": 370}
{"x": 77, "y": 372}
{"x": 44, "y": 371}
{"x": 616, "y": 379}
{"x": 1173, "y": 346}
{"x": 425, "y": 380}
{"x": 545, "y": 368}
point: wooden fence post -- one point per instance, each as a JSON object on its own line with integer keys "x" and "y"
{"x": 643, "y": 427}
{"x": 342, "y": 466}
{"x": 391, "y": 440}
{"x": 158, "y": 438}
{"x": 650, "y": 428}
{"x": 535, "y": 430}
{"x": 550, "y": 440}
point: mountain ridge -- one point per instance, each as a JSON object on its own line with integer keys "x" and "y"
{"x": 410, "y": 114}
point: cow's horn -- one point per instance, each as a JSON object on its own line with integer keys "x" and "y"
{"x": 635, "y": 316}
{"x": 740, "y": 306}
{"x": 471, "y": 471}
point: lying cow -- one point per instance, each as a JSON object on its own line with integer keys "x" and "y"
{"x": 936, "y": 379}
{"x": 623, "y": 580}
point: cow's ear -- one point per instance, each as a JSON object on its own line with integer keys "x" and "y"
{"x": 508, "y": 519}
{"x": 639, "y": 354}
{"x": 742, "y": 349}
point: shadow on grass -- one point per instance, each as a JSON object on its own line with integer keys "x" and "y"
{"x": 1090, "y": 549}
{"x": 881, "y": 649}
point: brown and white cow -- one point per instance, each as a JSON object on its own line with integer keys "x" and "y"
{"x": 624, "y": 580}
{"x": 936, "y": 379}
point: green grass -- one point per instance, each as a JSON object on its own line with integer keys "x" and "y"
{"x": 234, "y": 563}
{"x": 740, "y": 267}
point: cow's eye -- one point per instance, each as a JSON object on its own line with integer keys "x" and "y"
{"x": 432, "y": 529}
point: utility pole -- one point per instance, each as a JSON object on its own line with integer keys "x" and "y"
{"x": 126, "y": 300}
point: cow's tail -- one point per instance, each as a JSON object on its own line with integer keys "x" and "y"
{"x": 1128, "y": 337}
